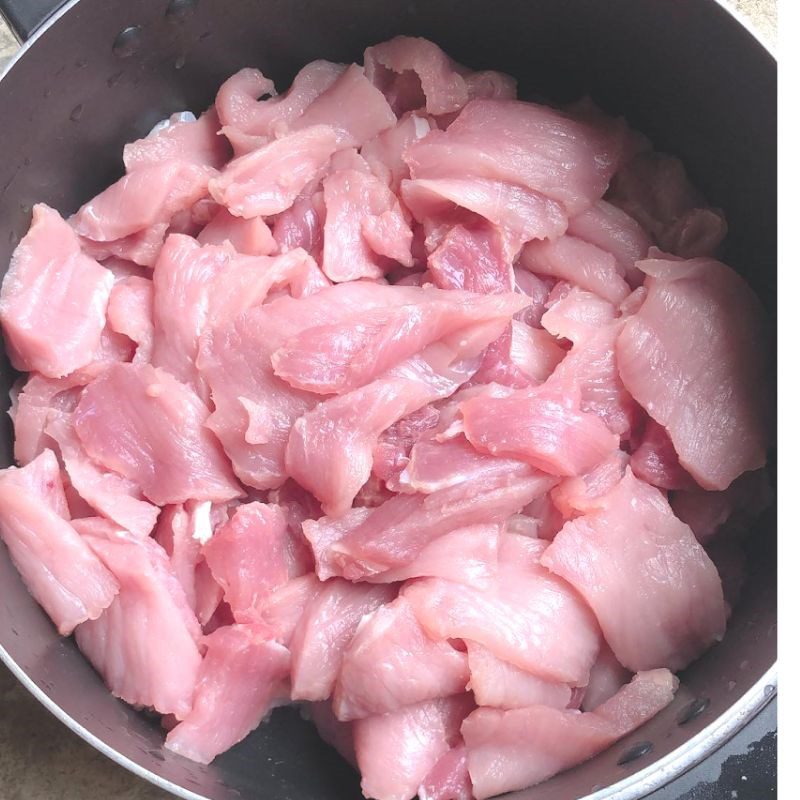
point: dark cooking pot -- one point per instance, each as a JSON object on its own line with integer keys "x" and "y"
{"x": 102, "y": 72}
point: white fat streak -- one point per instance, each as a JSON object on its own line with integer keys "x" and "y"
{"x": 181, "y": 116}
{"x": 201, "y": 522}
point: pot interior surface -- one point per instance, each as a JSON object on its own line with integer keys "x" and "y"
{"x": 685, "y": 73}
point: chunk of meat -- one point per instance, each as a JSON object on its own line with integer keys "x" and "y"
{"x": 693, "y": 357}
{"x": 303, "y": 224}
{"x": 384, "y": 152}
{"x": 250, "y": 237}
{"x": 391, "y": 454}
{"x": 130, "y": 313}
{"x": 53, "y": 299}
{"x": 395, "y": 752}
{"x": 282, "y": 609}
{"x": 140, "y": 248}
{"x": 59, "y": 569}
{"x": 607, "y": 677}
{"x": 149, "y": 195}
{"x": 391, "y": 663}
{"x": 142, "y": 423}
{"x": 324, "y": 631}
{"x": 241, "y": 678}
{"x": 499, "y": 684}
{"x": 150, "y": 616}
{"x": 580, "y": 493}
{"x": 654, "y": 591}
{"x": 269, "y": 179}
{"x": 656, "y": 462}
{"x": 515, "y": 749}
{"x": 576, "y": 315}
{"x": 537, "y": 290}
{"x": 449, "y": 779}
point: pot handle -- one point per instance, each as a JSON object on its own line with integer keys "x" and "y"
{"x": 25, "y": 16}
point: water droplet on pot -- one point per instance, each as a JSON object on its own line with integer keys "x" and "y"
{"x": 128, "y": 41}
{"x": 769, "y": 690}
{"x": 114, "y": 79}
{"x": 178, "y": 10}
{"x": 693, "y": 710}
{"x": 25, "y": 209}
{"x": 47, "y": 93}
{"x": 634, "y": 752}
{"x": 76, "y": 112}
{"x": 27, "y": 161}
{"x": 203, "y": 36}
{"x": 180, "y": 62}
{"x": 81, "y": 63}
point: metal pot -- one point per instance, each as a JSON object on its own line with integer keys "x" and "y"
{"x": 99, "y": 73}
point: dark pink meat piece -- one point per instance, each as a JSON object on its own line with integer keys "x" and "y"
{"x": 656, "y": 462}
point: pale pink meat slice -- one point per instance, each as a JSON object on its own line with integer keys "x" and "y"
{"x": 142, "y": 423}
{"x": 527, "y": 617}
{"x": 537, "y": 147}
{"x": 302, "y": 224}
{"x": 384, "y": 152}
{"x": 149, "y": 617}
{"x": 250, "y": 237}
{"x": 282, "y": 609}
{"x": 195, "y": 141}
{"x": 577, "y": 314}
{"x": 518, "y": 748}
{"x": 656, "y": 462}
{"x": 395, "y": 752}
{"x": 53, "y": 299}
{"x": 59, "y": 569}
{"x": 449, "y": 778}
{"x": 140, "y": 248}
{"x": 130, "y": 313}
{"x": 607, "y": 677}
{"x": 145, "y": 197}
{"x": 391, "y": 454}
{"x": 339, "y": 358}
{"x": 693, "y": 357}
{"x": 324, "y": 631}
{"x": 499, "y": 684}
{"x": 269, "y": 179}
{"x": 537, "y": 290}
{"x": 580, "y": 493}
{"x": 241, "y": 678}
{"x": 655, "y": 593}
{"x": 391, "y": 663}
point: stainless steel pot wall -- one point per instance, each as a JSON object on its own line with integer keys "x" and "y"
{"x": 684, "y": 71}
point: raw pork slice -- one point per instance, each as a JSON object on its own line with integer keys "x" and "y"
{"x": 449, "y": 779}
{"x": 130, "y": 313}
{"x": 149, "y": 617}
{"x": 241, "y": 678}
{"x": 580, "y": 493}
{"x": 142, "y": 423}
{"x": 53, "y": 300}
{"x": 656, "y": 462}
{"x": 324, "y": 631}
{"x": 282, "y": 609}
{"x": 250, "y": 237}
{"x": 509, "y": 750}
{"x": 392, "y": 663}
{"x": 607, "y": 677}
{"x": 395, "y": 752}
{"x": 654, "y": 591}
{"x": 61, "y": 572}
{"x": 694, "y": 358}
{"x": 384, "y": 152}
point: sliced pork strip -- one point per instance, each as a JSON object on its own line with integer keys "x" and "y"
{"x": 59, "y": 569}
{"x": 693, "y": 357}
{"x": 580, "y": 493}
{"x": 268, "y": 180}
{"x": 515, "y": 749}
{"x": 282, "y": 609}
{"x": 391, "y": 663}
{"x": 241, "y": 678}
{"x": 499, "y": 684}
{"x": 149, "y": 195}
{"x": 449, "y": 778}
{"x": 142, "y": 423}
{"x": 391, "y": 454}
{"x": 149, "y": 617}
{"x": 324, "y": 631}
{"x": 656, "y": 462}
{"x": 250, "y": 237}
{"x": 130, "y": 313}
{"x": 195, "y": 141}
{"x": 395, "y": 752}
{"x": 302, "y": 224}
{"x": 53, "y": 299}
{"x": 384, "y": 152}
{"x": 607, "y": 677}
{"x": 654, "y": 591}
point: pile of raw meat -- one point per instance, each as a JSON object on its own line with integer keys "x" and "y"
{"x": 396, "y": 397}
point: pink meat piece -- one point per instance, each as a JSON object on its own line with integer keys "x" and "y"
{"x": 150, "y": 616}
{"x": 282, "y": 609}
{"x": 146, "y": 197}
{"x": 449, "y": 778}
{"x": 142, "y": 423}
{"x": 352, "y": 106}
{"x": 338, "y": 735}
{"x": 347, "y": 356}
{"x": 543, "y": 427}
{"x": 130, "y": 313}
{"x": 530, "y": 145}
{"x": 241, "y": 678}
{"x": 580, "y": 493}
{"x": 365, "y": 229}
{"x": 302, "y": 225}
{"x": 250, "y": 237}
{"x": 395, "y": 752}
{"x": 612, "y": 230}
{"x": 53, "y": 299}
{"x": 499, "y": 684}
{"x": 519, "y": 212}
{"x": 196, "y": 142}
{"x": 656, "y": 462}
{"x": 324, "y": 632}
{"x": 607, "y": 677}
{"x": 141, "y": 248}
{"x": 693, "y": 357}
{"x": 545, "y": 515}
{"x": 490, "y": 83}
{"x": 384, "y": 152}
{"x": 390, "y": 456}
{"x": 367, "y": 542}
{"x": 654, "y": 591}
{"x": 57, "y": 566}
{"x": 700, "y": 232}
{"x": 108, "y": 493}
{"x": 515, "y": 618}
{"x": 250, "y": 556}
{"x": 269, "y": 179}
{"x": 518, "y": 748}
{"x": 579, "y": 263}
{"x": 577, "y": 314}
{"x": 444, "y": 90}
{"x": 537, "y": 290}
{"x": 391, "y": 663}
